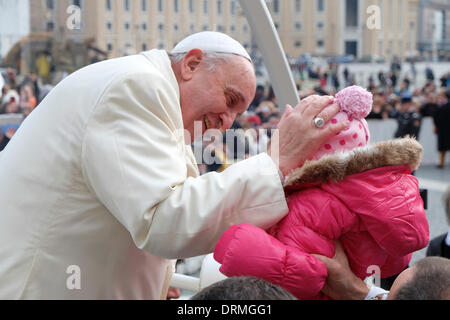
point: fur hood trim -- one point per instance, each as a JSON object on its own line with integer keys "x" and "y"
{"x": 342, "y": 164}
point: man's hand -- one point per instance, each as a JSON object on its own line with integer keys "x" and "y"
{"x": 297, "y": 137}
{"x": 173, "y": 293}
{"x": 341, "y": 283}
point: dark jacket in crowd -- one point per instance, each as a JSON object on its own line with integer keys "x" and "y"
{"x": 428, "y": 110}
{"x": 375, "y": 115}
{"x": 3, "y": 143}
{"x": 438, "y": 247}
{"x": 408, "y": 125}
{"x": 442, "y": 121}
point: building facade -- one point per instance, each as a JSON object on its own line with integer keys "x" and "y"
{"x": 316, "y": 27}
{"x": 123, "y": 27}
{"x": 434, "y": 28}
{"x": 340, "y": 27}
{"x": 14, "y": 23}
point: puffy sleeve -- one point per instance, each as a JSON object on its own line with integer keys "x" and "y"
{"x": 316, "y": 219}
{"x": 399, "y": 224}
{"x": 246, "y": 250}
{"x": 135, "y": 163}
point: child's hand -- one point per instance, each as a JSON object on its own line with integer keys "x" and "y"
{"x": 174, "y": 293}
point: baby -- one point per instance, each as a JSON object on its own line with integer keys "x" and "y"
{"x": 362, "y": 195}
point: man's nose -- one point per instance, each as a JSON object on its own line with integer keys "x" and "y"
{"x": 228, "y": 119}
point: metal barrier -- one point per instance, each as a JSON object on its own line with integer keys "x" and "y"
{"x": 11, "y": 119}
{"x": 383, "y": 130}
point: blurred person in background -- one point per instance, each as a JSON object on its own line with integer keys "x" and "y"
{"x": 28, "y": 100}
{"x": 271, "y": 124}
{"x": 2, "y": 83}
{"x": 11, "y": 108}
{"x": 442, "y": 127}
{"x": 9, "y": 76}
{"x": 408, "y": 119}
{"x": 346, "y": 74}
{"x": 335, "y": 79}
{"x": 445, "y": 80}
{"x": 430, "y": 106}
{"x": 429, "y": 74}
{"x": 271, "y": 100}
{"x": 259, "y": 96}
{"x": 378, "y": 111}
{"x": 3, "y": 99}
{"x": 8, "y": 95}
{"x": 6, "y": 136}
{"x": 44, "y": 91}
{"x": 382, "y": 79}
{"x": 33, "y": 81}
{"x": 323, "y": 80}
{"x": 264, "y": 111}
{"x": 440, "y": 246}
{"x": 405, "y": 87}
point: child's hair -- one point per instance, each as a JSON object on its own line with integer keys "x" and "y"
{"x": 243, "y": 288}
{"x": 356, "y": 104}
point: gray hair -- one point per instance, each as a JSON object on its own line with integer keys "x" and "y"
{"x": 212, "y": 59}
{"x": 446, "y": 202}
{"x": 243, "y": 288}
{"x": 430, "y": 281}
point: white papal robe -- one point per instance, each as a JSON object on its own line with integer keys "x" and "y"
{"x": 99, "y": 183}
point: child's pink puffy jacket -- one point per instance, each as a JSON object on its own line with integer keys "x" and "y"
{"x": 373, "y": 207}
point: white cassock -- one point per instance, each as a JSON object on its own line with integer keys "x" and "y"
{"x": 98, "y": 178}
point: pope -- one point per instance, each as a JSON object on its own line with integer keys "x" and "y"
{"x": 99, "y": 180}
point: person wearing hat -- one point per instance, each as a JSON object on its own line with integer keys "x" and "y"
{"x": 408, "y": 119}
{"x": 349, "y": 191}
{"x": 100, "y": 186}
{"x": 441, "y": 119}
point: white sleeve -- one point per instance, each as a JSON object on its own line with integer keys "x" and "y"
{"x": 134, "y": 164}
{"x": 376, "y": 293}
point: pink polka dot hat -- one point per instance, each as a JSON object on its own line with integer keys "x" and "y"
{"x": 356, "y": 104}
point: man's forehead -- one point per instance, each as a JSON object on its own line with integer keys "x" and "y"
{"x": 240, "y": 78}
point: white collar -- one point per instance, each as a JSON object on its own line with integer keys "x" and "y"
{"x": 447, "y": 239}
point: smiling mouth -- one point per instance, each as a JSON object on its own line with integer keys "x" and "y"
{"x": 207, "y": 123}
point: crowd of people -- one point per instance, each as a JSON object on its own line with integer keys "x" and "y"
{"x": 19, "y": 96}
{"x": 264, "y": 115}
{"x": 401, "y": 102}
{"x": 391, "y": 101}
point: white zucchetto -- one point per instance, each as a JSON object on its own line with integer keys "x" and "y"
{"x": 209, "y": 41}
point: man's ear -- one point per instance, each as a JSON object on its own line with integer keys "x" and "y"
{"x": 191, "y": 63}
